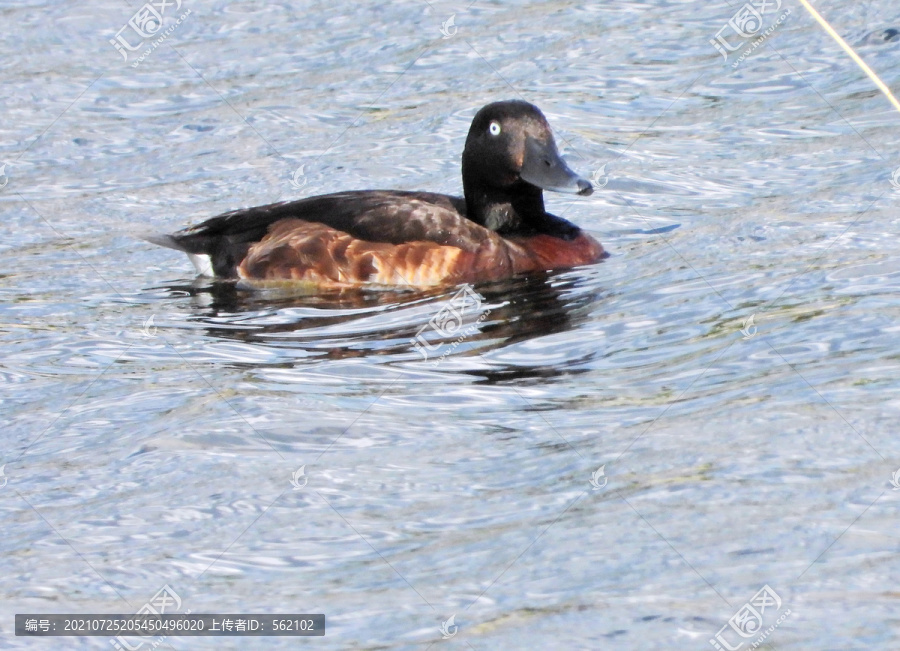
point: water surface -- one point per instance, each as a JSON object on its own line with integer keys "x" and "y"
{"x": 153, "y": 421}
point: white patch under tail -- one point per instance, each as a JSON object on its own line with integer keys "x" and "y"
{"x": 202, "y": 263}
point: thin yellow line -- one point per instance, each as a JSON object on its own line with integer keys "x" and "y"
{"x": 853, "y": 55}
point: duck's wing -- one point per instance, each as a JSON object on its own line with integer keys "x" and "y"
{"x": 392, "y": 217}
{"x": 309, "y": 252}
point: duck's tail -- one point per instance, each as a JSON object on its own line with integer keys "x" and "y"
{"x": 217, "y": 246}
{"x": 164, "y": 239}
{"x": 202, "y": 261}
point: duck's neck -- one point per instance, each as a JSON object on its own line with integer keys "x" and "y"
{"x": 519, "y": 209}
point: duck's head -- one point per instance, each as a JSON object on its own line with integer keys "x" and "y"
{"x": 509, "y": 159}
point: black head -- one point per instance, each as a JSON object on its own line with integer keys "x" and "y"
{"x": 510, "y": 157}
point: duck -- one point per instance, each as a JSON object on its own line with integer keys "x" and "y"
{"x": 392, "y": 238}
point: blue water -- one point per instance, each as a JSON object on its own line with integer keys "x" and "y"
{"x": 153, "y": 422}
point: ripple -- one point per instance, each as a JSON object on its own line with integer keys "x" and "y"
{"x": 141, "y": 454}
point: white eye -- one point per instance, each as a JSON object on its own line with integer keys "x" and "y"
{"x": 494, "y": 129}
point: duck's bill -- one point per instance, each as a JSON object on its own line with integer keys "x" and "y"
{"x": 544, "y": 168}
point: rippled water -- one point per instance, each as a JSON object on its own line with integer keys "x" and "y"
{"x": 152, "y": 422}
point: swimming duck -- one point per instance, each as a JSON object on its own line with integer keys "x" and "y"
{"x": 415, "y": 239}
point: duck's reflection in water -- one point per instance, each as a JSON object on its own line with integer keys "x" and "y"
{"x": 410, "y": 325}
